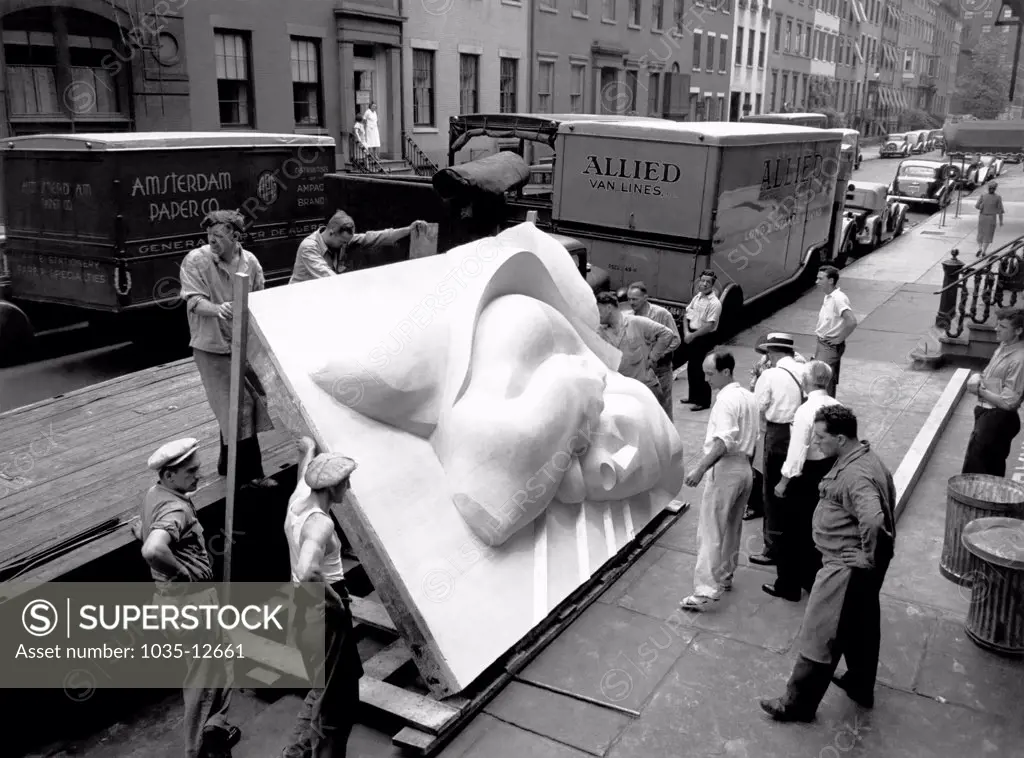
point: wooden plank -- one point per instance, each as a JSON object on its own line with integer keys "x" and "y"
{"x": 84, "y": 396}
{"x": 912, "y": 466}
{"x": 414, "y": 740}
{"x": 239, "y": 339}
{"x": 388, "y": 661}
{"x": 372, "y": 614}
{"x": 422, "y": 712}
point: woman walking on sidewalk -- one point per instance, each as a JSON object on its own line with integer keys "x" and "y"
{"x": 989, "y": 207}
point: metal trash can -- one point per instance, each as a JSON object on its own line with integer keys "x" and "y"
{"x": 995, "y": 620}
{"x": 969, "y": 497}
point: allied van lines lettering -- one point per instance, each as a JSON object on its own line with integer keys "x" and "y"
{"x": 783, "y": 171}
{"x": 639, "y": 173}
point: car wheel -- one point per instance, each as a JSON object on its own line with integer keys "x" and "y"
{"x": 845, "y": 253}
{"x": 899, "y": 227}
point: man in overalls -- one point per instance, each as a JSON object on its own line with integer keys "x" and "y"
{"x": 855, "y": 532}
{"x": 779, "y": 392}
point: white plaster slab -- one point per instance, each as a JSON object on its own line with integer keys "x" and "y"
{"x": 375, "y": 364}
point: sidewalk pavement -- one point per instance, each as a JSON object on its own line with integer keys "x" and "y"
{"x": 688, "y": 684}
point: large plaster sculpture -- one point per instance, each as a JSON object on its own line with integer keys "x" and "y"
{"x": 502, "y": 459}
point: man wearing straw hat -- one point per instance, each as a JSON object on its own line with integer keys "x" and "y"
{"x": 779, "y": 392}
{"x": 175, "y": 549}
{"x": 999, "y": 389}
{"x": 323, "y": 619}
{"x": 208, "y": 287}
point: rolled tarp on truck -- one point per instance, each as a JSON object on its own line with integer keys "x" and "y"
{"x": 1003, "y": 139}
{"x": 494, "y": 175}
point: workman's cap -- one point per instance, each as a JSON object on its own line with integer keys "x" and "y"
{"x": 777, "y": 341}
{"x": 173, "y": 453}
{"x": 328, "y": 470}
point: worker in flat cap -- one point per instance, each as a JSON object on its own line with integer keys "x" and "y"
{"x": 207, "y": 287}
{"x": 175, "y": 549}
{"x": 323, "y": 619}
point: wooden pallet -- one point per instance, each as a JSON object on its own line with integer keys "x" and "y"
{"x": 429, "y": 723}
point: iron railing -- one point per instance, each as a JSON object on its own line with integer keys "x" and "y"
{"x": 361, "y": 159}
{"x": 972, "y": 291}
{"x": 416, "y": 158}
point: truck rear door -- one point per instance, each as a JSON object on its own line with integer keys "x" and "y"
{"x": 61, "y": 210}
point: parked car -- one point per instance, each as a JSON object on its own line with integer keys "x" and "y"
{"x": 922, "y": 181}
{"x": 935, "y": 138}
{"x": 875, "y": 217}
{"x": 939, "y": 143}
{"x": 918, "y": 142}
{"x": 895, "y": 146}
{"x": 994, "y": 166}
{"x": 964, "y": 172}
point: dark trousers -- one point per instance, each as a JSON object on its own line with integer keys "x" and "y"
{"x": 696, "y": 352}
{"x": 250, "y": 459}
{"x": 833, "y": 357}
{"x": 989, "y": 445}
{"x": 776, "y": 443}
{"x": 327, "y": 714}
{"x": 858, "y": 638}
{"x": 798, "y": 558}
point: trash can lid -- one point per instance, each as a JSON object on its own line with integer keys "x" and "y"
{"x": 997, "y": 540}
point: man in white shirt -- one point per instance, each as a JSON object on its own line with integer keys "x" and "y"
{"x": 728, "y": 449}
{"x": 804, "y": 468}
{"x": 779, "y": 392}
{"x": 703, "y": 314}
{"x": 836, "y": 322}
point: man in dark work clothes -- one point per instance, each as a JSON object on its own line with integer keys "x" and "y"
{"x": 999, "y": 389}
{"x": 855, "y": 532}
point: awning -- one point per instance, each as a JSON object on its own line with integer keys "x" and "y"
{"x": 886, "y": 97}
{"x": 857, "y": 50}
{"x": 858, "y": 10}
{"x": 890, "y": 55}
{"x": 1000, "y": 138}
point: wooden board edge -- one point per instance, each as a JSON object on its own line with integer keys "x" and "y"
{"x": 543, "y": 635}
{"x": 912, "y": 466}
{"x": 396, "y": 599}
{"x": 367, "y": 545}
{"x": 107, "y": 383}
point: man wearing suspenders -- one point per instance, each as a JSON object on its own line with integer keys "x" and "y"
{"x": 779, "y": 392}
{"x": 332, "y": 658}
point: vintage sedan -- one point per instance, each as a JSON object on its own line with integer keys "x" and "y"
{"x": 922, "y": 181}
{"x": 994, "y": 168}
{"x": 966, "y": 173}
{"x": 895, "y": 146}
{"x": 872, "y": 216}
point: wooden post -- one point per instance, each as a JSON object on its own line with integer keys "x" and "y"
{"x": 239, "y": 345}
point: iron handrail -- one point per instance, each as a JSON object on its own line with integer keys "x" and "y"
{"x": 972, "y": 269}
{"x": 363, "y": 158}
{"x": 414, "y": 154}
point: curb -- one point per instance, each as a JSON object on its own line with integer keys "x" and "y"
{"x": 913, "y": 464}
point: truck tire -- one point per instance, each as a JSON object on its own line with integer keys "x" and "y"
{"x": 846, "y": 252}
{"x": 17, "y": 337}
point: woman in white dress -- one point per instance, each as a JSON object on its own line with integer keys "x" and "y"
{"x": 372, "y": 131}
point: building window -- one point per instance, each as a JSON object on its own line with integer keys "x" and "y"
{"x": 307, "y": 94}
{"x": 634, "y": 12}
{"x": 722, "y": 115}
{"x": 653, "y": 92}
{"x": 549, "y": 4}
{"x": 696, "y": 50}
{"x": 757, "y": 106}
{"x": 608, "y": 13}
{"x": 677, "y": 15}
{"x": 807, "y": 46}
{"x": 778, "y": 33}
{"x": 577, "y": 79}
{"x": 775, "y": 86}
{"x": 234, "y": 78}
{"x": 508, "y": 86}
{"x": 789, "y": 35}
{"x": 799, "y": 39}
{"x": 545, "y": 86}
{"x": 739, "y": 45}
{"x": 760, "y": 51}
{"x": 750, "y": 47}
{"x": 657, "y": 14}
{"x": 632, "y": 90}
{"x": 423, "y": 88}
{"x": 723, "y": 54}
{"x": 469, "y": 83}
{"x": 580, "y": 6}
{"x": 710, "y": 62}
{"x": 63, "y": 76}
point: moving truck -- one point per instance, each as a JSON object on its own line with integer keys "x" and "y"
{"x": 661, "y": 202}
{"x": 99, "y": 223}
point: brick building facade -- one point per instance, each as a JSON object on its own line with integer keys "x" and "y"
{"x": 789, "y": 64}
{"x": 750, "y": 62}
